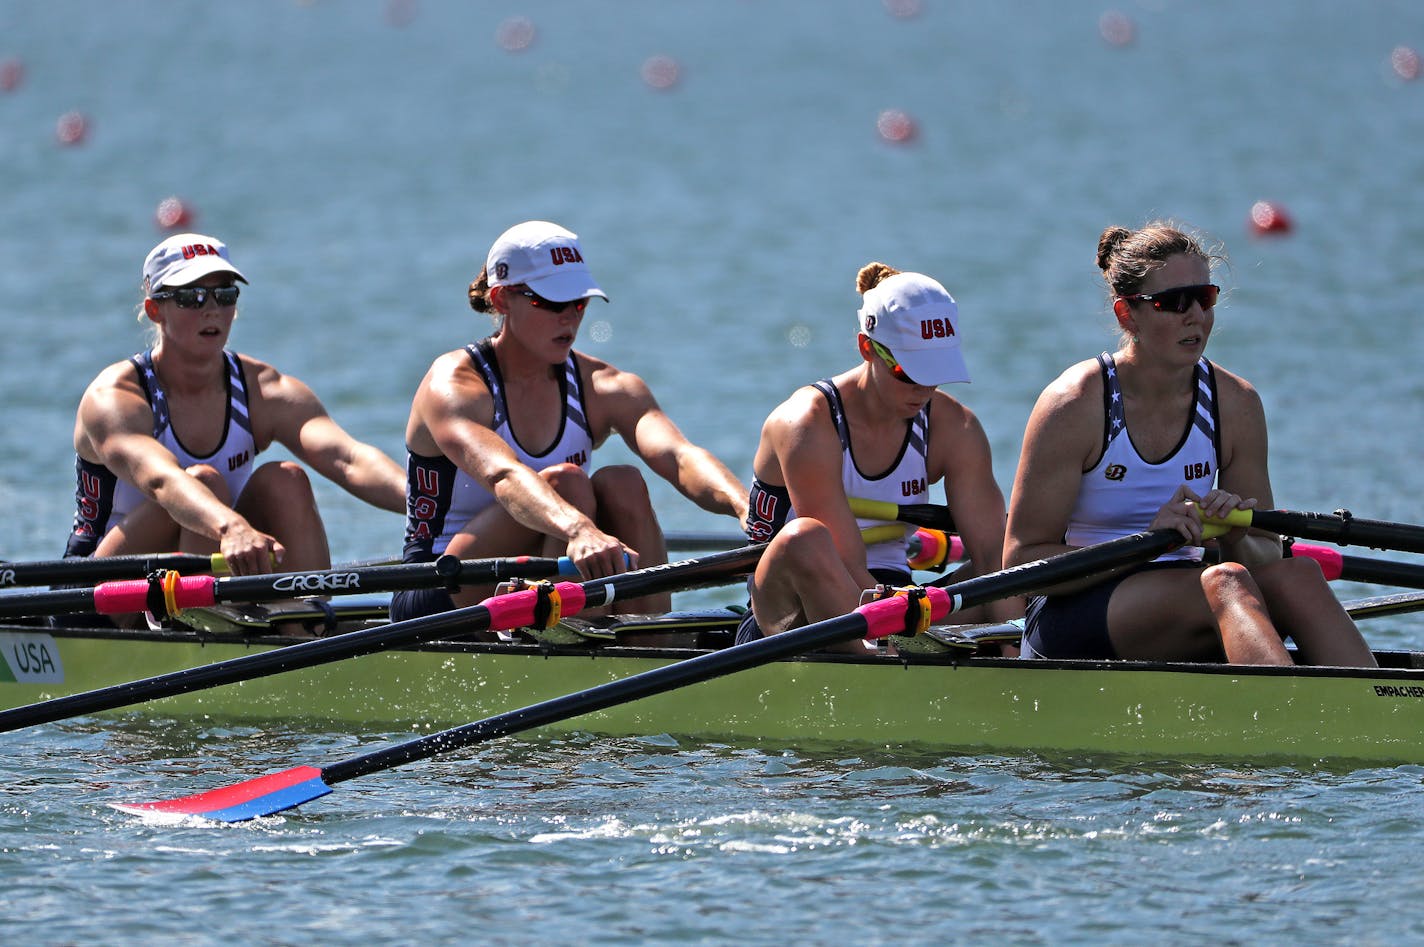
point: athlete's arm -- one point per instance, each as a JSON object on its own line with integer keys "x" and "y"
{"x": 628, "y": 404}
{"x": 114, "y": 427}
{"x": 451, "y": 415}
{"x": 301, "y": 423}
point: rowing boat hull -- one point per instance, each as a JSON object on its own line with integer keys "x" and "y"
{"x": 1149, "y": 711}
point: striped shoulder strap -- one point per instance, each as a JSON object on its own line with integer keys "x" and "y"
{"x": 833, "y": 398}
{"x": 239, "y": 411}
{"x": 482, "y": 354}
{"x": 1114, "y": 421}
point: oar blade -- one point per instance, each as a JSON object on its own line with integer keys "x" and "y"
{"x": 265, "y": 795}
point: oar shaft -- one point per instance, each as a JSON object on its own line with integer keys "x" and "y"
{"x": 1342, "y": 530}
{"x": 199, "y": 591}
{"x": 916, "y": 514}
{"x": 498, "y": 612}
{"x": 1336, "y": 565}
{"x": 104, "y": 569}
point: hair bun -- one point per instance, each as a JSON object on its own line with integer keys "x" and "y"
{"x": 870, "y": 276}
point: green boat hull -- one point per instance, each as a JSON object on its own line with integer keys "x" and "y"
{"x": 1149, "y": 711}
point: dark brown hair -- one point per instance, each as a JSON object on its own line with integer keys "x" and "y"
{"x": 1127, "y": 257}
{"x": 479, "y": 292}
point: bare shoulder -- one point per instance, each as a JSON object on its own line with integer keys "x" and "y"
{"x": 1079, "y": 387}
{"x": 118, "y": 377}
{"x": 608, "y": 380}
{"x": 1235, "y": 393}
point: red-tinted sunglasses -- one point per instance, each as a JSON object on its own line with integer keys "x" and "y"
{"x": 1180, "y": 298}
{"x": 539, "y": 302}
{"x": 890, "y": 363}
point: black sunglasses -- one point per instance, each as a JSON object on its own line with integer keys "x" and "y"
{"x": 539, "y": 302}
{"x": 1179, "y": 298}
{"x": 196, "y": 297}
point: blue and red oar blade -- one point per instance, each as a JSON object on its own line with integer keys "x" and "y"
{"x": 265, "y": 795}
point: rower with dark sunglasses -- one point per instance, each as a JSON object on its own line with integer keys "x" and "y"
{"x": 502, "y": 432}
{"x": 878, "y": 431}
{"x": 1153, "y": 436}
{"x": 166, "y": 441}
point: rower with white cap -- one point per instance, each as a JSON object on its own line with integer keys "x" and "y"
{"x": 166, "y": 441}
{"x": 502, "y": 432}
{"x": 879, "y": 431}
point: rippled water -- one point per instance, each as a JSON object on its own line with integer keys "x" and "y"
{"x": 360, "y": 157}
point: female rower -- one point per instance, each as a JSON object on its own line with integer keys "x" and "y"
{"x": 166, "y": 440}
{"x": 501, "y": 435}
{"x": 890, "y": 434}
{"x": 1147, "y": 438}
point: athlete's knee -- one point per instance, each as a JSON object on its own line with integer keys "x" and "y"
{"x": 1228, "y": 581}
{"x": 804, "y": 540}
{"x": 210, "y": 478}
{"x": 621, "y": 489}
{"x": 571, "y": 483}
{"x": 1291, "y": 577}
{"x": 282, "y": 480}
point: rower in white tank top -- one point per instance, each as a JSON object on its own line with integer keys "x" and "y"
{"x": 441, "y": 498}
{"x": 906, "y": 481}
{"x": 102, "y": 500}
{"x": 1122, "y": 493}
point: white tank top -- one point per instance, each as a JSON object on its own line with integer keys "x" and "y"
{"x": 1121, "y": 494}
{"x": 441, "y": 498}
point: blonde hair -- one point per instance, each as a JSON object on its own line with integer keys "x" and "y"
{"x": 871, "y": 274}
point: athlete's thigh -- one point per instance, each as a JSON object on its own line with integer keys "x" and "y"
{"x": 1161, "y": 615}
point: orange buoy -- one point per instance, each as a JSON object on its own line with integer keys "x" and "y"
{"x": 72, "y": 128}
{"x": 1270, "y": 218}
{"x": 896, "y": 127}
{"x": 173, "y": 214}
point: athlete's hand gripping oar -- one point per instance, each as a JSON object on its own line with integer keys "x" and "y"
{"x": 1340, "y": 528}
{"x": 501, "y": 612}
{"x": 906, "y": 612}
{"x": 168, "y": 593}
{"x": 916, "y": 514}
{"x": 104, "y": 569}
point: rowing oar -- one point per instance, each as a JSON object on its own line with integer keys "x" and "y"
{"x": 1340, "y": 528}
{"x": 499, "y": 612}
{"x": 90, "y": 570}
{"x": 916, "y": 514}
{"x": 168, "y": 593}
{"x": 907, "y": 611}
{"x": 1337, "y": 565}
{"x": 928, "y": 549}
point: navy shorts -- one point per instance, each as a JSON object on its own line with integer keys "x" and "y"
{"x": 1076, "y": 625}
{"x": 749, "y": 630}
{"x": 417, "y": 603}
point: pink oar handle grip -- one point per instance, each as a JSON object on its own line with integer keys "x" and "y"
{"x": 886, "y": 616}
{"x": 189, "y": 591}
{"x": 1332, "y": 561}
{"x": 516, "y": 609}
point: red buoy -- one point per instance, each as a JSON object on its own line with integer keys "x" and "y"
{"x": 1117, "y": 29}
{"x": 12, "y": 73}
{"x": 515, "y": 34}
{"x": 896, "y": 127}
{"x": 1405, "y": 63}
{"x": 173, "y": 214}
{"x": 71, "y": 128}
{"x": 661, "y": 72}
{"x": 1270, "y": 218}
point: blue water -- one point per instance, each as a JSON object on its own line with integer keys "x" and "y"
{"x": 359, "y": 158}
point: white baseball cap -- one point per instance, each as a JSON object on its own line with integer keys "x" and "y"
{"x": 915, "y": 318}
{"x": 186, "y": 258}
{"x": 546, "y": 258}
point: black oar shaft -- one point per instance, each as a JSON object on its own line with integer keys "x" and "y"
{"x": 657, "y": 681}
{"x": 684, "y": 574}
{"x": 1341, "y": 530}
{"x": 1019, "y": 580}
{"x": 54, "y": 571}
